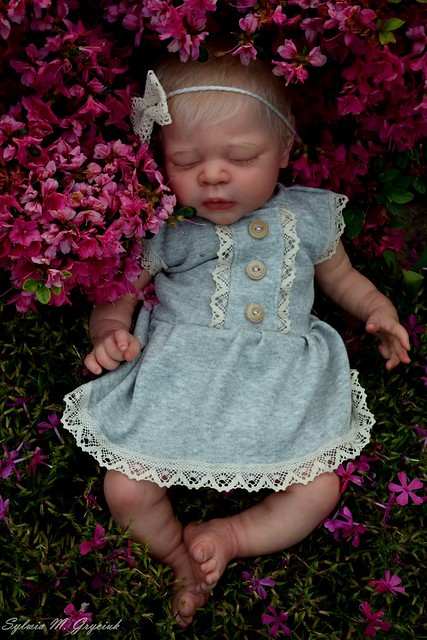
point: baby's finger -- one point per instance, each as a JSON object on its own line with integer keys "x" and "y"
{"x": 92, "y": 364}
{"x": 123, "y": 339}
{"x": 133, "y": 349}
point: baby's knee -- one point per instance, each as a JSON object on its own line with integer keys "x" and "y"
{"x": 126, "y": 495}
{"x": 329, "y": 489}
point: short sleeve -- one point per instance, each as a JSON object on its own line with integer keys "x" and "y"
{"x": 150, "y": 259}
{"x": 337, "y": 203}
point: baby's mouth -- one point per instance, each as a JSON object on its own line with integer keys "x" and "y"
{"x": 217, "y": 204}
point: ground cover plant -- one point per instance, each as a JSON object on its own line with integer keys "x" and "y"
{"x": 78, "y": 191}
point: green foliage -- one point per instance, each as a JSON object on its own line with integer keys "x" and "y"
{"x": 319, "y": 582}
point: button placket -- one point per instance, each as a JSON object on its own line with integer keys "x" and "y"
{"x": 255, "y": 269}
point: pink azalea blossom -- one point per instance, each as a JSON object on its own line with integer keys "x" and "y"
{"x": 406, "y": 490}
{"x": 390, "y": 583}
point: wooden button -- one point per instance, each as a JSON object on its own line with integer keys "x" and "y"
{"x": 255, "y": 313}
{"x": 255, "y": 269}
{"x": 258, "y": 229}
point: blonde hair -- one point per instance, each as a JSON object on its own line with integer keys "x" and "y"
{"x": 195, "y": 109}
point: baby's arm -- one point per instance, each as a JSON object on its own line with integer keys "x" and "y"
{"x": 356, "y": 294}
{"x": 109, "y": 326}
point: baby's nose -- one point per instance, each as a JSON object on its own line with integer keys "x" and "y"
{"x": 213, "y": 173}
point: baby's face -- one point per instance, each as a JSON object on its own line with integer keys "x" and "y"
{"x": 223, "y": 170}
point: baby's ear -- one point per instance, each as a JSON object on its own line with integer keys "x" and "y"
{"x": 287, "y": 146}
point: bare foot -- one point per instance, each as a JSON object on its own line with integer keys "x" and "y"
{"x": 187, "y": 598}
{"x": 211, "y": 545}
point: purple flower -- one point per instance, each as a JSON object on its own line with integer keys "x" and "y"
{"x": 54, "y": 423}
{"x": 414, "y": 330}
{"x": 389, "y": 583}
{"x": 422, "y": 433}
{"x": 276, "y": 621}
{"x": 37, "y": 458}
{"x": 76, "y": 619}
{"x": 4, "y": 507}
{"x": 256, "y": 585}
{"x": 373, "y": 621}
{"x": 9, "y": 462}
{"x": 347, "y": 526}
{"x": 406, "y": 490}
{"x": 98, "y": 541}
{"x": 347, "y": 475}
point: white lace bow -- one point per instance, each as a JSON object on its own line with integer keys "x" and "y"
{"x": 151, "y": 108}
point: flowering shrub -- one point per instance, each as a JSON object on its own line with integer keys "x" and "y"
{"x": 78, "y": 190}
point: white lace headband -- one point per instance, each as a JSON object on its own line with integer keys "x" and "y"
{"x": 153, "y": 106}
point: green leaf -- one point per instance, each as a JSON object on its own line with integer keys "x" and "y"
{"x": 43, "y": 294}
{"x": 400, "y": 196}
{"x": 56, "y": 290}
{"x": 392, "y": 24}
{"x": 66, "y": 274}
{"x": 413, "y": 280}
{"x": 421, "y": 263}
{"x": 354, "y": 219}
{"x": 390, "y": 258}
{"x": 386, "y": 37}
{"x": 419, "y": 185}
{"x": 31, "y": 285}
{"x": 394, "y": 209}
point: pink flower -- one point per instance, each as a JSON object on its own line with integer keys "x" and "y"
{"x": 373, "y": 621}
{"x": 389, "y": 583}
{"x": 9, "y": 462}
{"x": 257, "y": 584}
{"x": 406, "y": 490}
{"x": 4, "y": 508}
{"x": 347, "y": 475}
{"x": 54, "y": 423}
{"x": 346, "y": 525}
{"x": 422, "y": 433}
{"x": 75, "y": 619}
{"x": 246, "y": 51}
{"x": 98, "y": 541}
{"x": 414, "y": 330}
{"x": 276, "y": 621}
{"x": 37, "y": 458}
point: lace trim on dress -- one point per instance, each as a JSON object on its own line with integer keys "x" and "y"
{"x": 337, "y": 202}
{"x": 291, "y": 245}
{"x": 194, "y": 475}
{"x": 150, "y": 259}
{"x": 222, "y": 276}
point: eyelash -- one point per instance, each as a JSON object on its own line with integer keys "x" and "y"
{"x": 187, "y": 167}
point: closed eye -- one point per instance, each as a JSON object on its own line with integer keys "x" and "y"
{"x": 243, "y": 161}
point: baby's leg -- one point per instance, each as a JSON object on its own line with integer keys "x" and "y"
{"x": 276, "y": 523}
{"x": 144, "y": 509}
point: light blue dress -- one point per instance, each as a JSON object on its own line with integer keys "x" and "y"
{"x": 238, "y": 384}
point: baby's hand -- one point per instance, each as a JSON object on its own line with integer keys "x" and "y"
{"x": 394, "y": 340}
{"x": 111, "y": 349}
